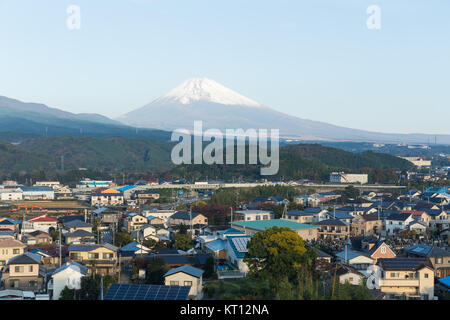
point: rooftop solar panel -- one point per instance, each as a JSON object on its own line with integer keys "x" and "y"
{"x": 240, "y": 244}
{"x": 146, "y": 292}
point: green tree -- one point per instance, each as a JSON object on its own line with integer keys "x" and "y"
{"x": 156, "y": 268}
{"x": 182, "y": 241}
{"x": 209, "y": 267}
{"x": 89, "y": 288}
{"x": 122, "y": 239}
{"x": 278, "y": 253}
{"x": 67, "y": 294}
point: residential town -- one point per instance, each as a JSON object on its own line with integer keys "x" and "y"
{"x": 55, "y": 240}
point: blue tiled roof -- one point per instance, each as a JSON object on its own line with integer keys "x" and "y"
{"x": 216, "y": 245}
{"x": 72, "y": 265}
{"x": 196, "y": 272}
{"x": 237, "y": 253}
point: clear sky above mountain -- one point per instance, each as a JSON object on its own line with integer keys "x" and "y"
{"x": 311, "y": 59}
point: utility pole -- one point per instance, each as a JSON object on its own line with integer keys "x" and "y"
{"x": 60, "y": 241}
{"x": 190, "y": 219}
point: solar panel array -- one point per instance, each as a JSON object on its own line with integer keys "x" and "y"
{"x": 146, "y": 292}
{"x": 240, "y": 244}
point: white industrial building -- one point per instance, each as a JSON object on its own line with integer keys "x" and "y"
{"x": 341, "y": 177}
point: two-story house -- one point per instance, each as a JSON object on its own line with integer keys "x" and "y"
{"x": 407, "y": 278}
{"x": 366, "y": 225}
{"x": 252, "y": 215}
{"x": 10, "y": 248}
{"x": 439, "y": 258}
{"x": 99, "y": 258}
{"x": 24, "y": 272}
{"x": 333, "y": 229}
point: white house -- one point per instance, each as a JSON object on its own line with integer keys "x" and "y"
{"x": 186, "y": 276}
{"x": 41, "y": 223}
{"x": 253, "y": 215}
{"x": 69, "y": 274}
{"x": 397, "y": 222}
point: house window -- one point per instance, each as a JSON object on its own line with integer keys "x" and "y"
{"x": 18, "y": 269}
{"x": 426, "y": 275}
{"x": 383, "y": 250}
{"x": 30, "y": 268}
{"x": 188, "y": 283}
{"x": 439, "y": 260}
{"x": 174, "y": 283}
{"x": 108, "y": 255}
{"x": 32, "y": 283}
{"x": 16, "y": 251}
{"x": 93, "y": 255}
{"x": 14, "y": 283}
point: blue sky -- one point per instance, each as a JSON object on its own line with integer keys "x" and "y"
{"x": 312, "y": 59}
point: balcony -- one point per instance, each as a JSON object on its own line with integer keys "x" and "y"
{"x": 399, "y": 283}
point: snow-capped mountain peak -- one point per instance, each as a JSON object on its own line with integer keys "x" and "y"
{"x": 204, "y": 89}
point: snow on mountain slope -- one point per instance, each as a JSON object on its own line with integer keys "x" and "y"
{"x": 206, "y": 90}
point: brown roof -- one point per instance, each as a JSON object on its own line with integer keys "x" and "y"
{"x": 11, "y": 243}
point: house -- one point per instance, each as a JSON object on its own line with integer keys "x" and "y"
{"x": 41, "y": 223}
{"x": 37, "y": 237}
{"x": 156, "y": 221}
{"x": 162, "y": 214}
{"x": 420, "y": 216}
{"x": 372, "y": 247}
{"x": 132, "y": 249}
{"x": 366, "y": 225}
{"x": 317, "y": 199}
{"x": 306, "y": 231}
{"x": 10, "y": 248}
{"x": 418, "y": 227}
{"x": 68, "y": 275}
{"x": 218, "y": 248}
{"x": 182, "y": 217}
{"x": 309, "y": 215}
{"x": 99, "y": 258}
{"x": 439, "y": 218}
{"x": 258, "y": 202}
{"x": 24, "y": 272}
{"x": 143, "y": 196}
{"x": 174, "y": 259}
{"x": 397, "y": 222}
{"x": 344, "y": 216}
{"x": 134, "y": 221}
{"x": 77, "y": 225}
{"x": 108, "y": 216}
{"x": 350, "y": 275}
{"x": 9, "y": 224}
{"x": 439, "y": 258}
{"x": 50, "y": 255}
{"x": 355, "y": 211}
{"x": 187, "y": 276}
{"x": 236, "y": 250}
{"x": 37, "y": 193}
{"x": 407, "y": 278}
{"x": 107, "y": 197}
{"x": 78, "y": 236}
{"x": 356, "y": 259}
{"x": 252, "y": 215}
{"x": 333, "y": 228}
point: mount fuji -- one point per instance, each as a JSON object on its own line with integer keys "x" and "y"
{"x": 203, "y": 99}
